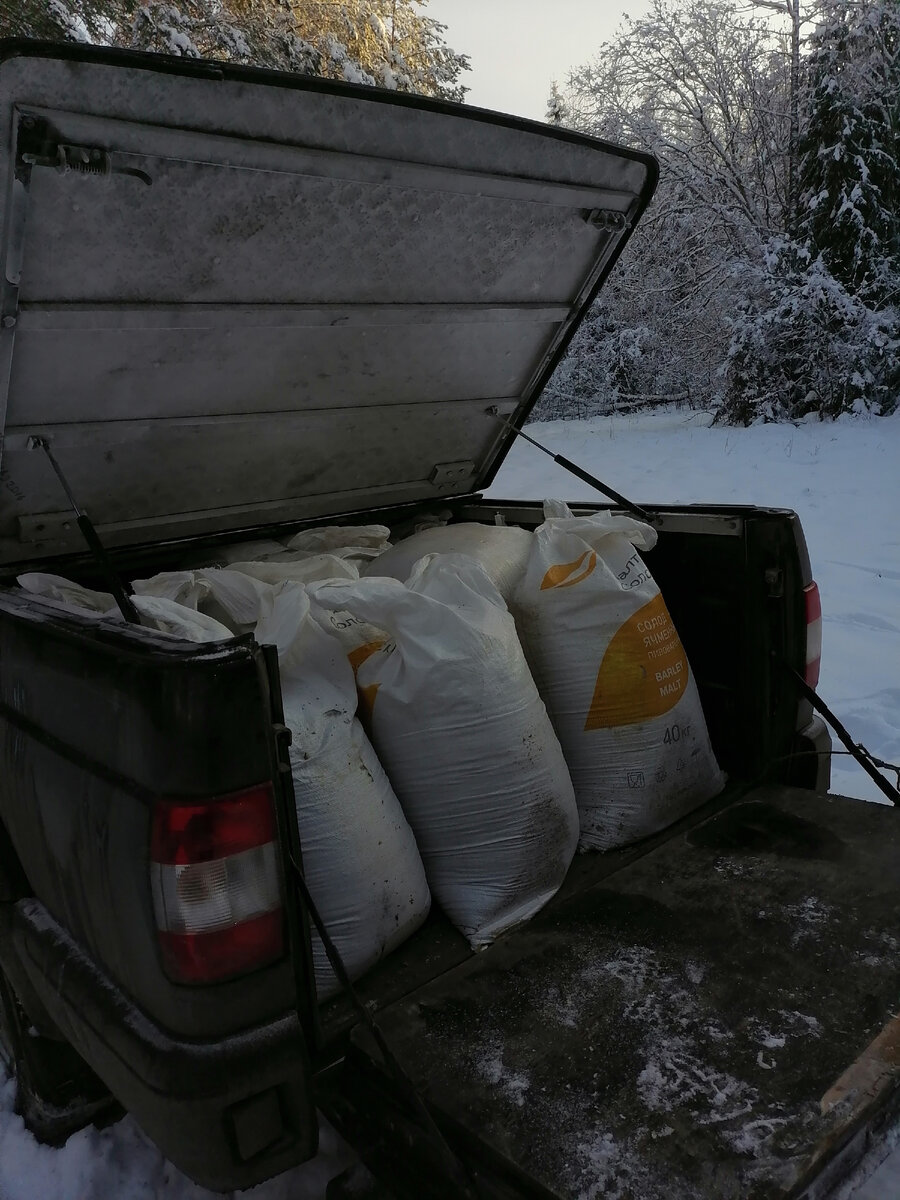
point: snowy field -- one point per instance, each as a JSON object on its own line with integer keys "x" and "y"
{"x": 843, "y": 480}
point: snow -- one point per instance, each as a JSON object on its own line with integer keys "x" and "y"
{"x": 842, "y": 478}
{"x": 121, "y": 1162}
{"x": 490, "y": 1066}
{"x": 72, "y": 23}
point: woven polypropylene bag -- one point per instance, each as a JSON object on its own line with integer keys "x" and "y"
{"x": 614, "y": 676}
{"x": 466, "y": 741}
{"x": 360, "y": 859}
{"x": 502, "y": 550}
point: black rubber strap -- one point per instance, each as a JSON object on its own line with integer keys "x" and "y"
{"x": 859, "y": 752}
{"x": 457, "y": 1175}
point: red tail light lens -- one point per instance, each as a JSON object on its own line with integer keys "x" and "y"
{"x": 214, "y": 880}
{"x": 813, "y": 633}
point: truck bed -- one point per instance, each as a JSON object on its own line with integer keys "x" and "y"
{"x": 713, "y": 1019}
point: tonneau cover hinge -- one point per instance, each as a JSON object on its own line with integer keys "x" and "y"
{"x": 39, "y": 144}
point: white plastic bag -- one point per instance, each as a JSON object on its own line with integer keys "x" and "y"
{"x": 229, "y": 597}
{"x": 304, "y": 568}
{"x": 502, "y": 550}
{"x": 466, "y": 741}
{"x": 167, "y": 616}
{"x": 158, "y": 612}
{"x": 360, "y": 858}
{"x": 64, "y": 591}
{"x": 232, "y": 595}
{"x": 360, "y": 543}
{"x": 613, "y": 673}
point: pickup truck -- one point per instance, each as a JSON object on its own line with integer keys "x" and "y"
{"x": 237, "y": 304}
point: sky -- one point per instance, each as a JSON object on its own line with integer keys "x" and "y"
{"x": 519, "y": 47}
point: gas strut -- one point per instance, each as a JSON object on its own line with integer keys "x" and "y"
{"x": 113, "y": 582}
{"x": 573, "y": 468}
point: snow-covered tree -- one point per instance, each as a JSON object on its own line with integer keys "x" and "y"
{"x": 706, "y": 89}
{"x": 805, "y": 344}
{"x": 820, "y": 330}
{"x": 389, "y": 42}
{"x": 557, "y": 111}
{"x": 850, "y": 170}
{"x": 763, "y": 280}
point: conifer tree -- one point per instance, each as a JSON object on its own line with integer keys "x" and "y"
{"x": 850, "y": 151}
{"x": 557, "y": 112}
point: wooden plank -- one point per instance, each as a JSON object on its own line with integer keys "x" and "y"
{"x": 874, "y": 1071}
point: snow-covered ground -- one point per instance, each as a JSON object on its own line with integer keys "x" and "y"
{"x": 842, "y": 478}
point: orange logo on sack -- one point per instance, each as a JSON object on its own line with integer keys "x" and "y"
{"x": 358, "y": 656}
{"x": 644, "y": 671}
{"x": 568, "y": 574}
{"x": 368, "y": 691}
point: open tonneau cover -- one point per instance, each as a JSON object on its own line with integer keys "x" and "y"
{"x": 715, "y": 1020}
{"x": 233, "y": 298}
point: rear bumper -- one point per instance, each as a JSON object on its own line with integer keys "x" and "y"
{"x": 228, "y": 1113}
{"x": 813, "y": 750}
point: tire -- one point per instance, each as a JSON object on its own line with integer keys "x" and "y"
{"x": 56, "y": 1092}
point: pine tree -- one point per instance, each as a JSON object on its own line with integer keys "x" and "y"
{"x": 557, "y": 111}
{"x": 850, "y": 152}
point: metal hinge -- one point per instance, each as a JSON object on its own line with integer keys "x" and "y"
{"x": 450, "y": 474}
{"x": 39, "y": 144}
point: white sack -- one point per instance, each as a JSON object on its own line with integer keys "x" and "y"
{"x": 614, "y": 675}
{"x": 466, "y": 742}
{"x": 502, "y": 550}
{"x": 360, "y": 858}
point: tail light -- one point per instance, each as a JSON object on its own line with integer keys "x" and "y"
{"x": 813, "y": 633}
{"x": 214, "y": 879}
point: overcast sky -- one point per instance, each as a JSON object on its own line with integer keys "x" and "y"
{"x": 518, "y": 47}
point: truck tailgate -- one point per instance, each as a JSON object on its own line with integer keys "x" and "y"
{"x": 714, "y": 1020}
